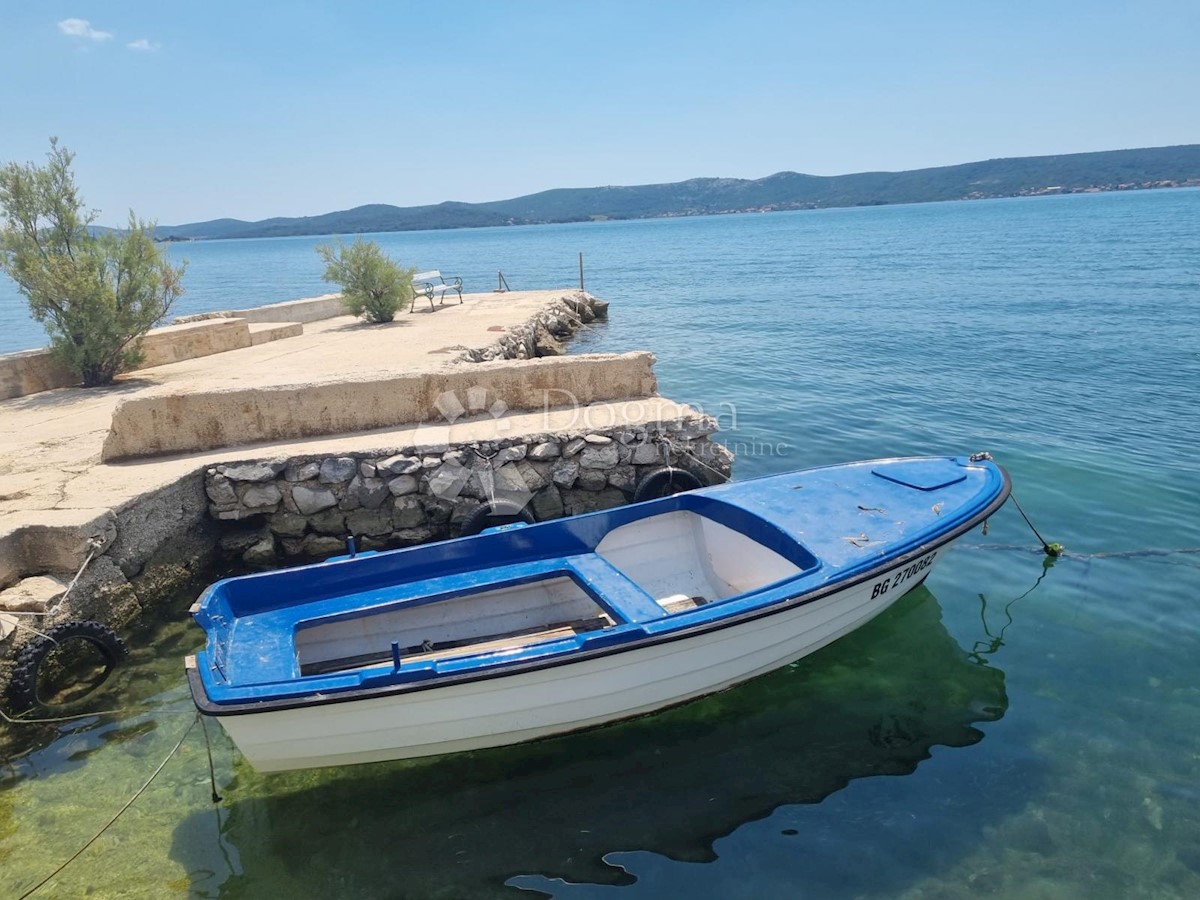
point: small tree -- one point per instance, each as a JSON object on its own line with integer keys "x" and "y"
{"x": 373, "y": 286}
{"x": 96, "y": 296}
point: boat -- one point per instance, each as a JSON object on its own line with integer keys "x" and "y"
{"x": 530, "y": 630}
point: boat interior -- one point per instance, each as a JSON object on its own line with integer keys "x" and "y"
{"x": 644, "y": 570}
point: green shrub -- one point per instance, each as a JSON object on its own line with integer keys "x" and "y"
{"x": 373, "y": 286}
{"x": 96, "y": 295}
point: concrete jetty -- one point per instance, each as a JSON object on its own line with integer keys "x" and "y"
{"x": 274, "y": 451}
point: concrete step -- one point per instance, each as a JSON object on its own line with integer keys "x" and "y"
{"x": 265, "y": 332}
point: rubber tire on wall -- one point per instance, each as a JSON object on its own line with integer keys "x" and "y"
{"x": 665, "y": 481}
{"x": 23, "y": 687}
{"x": 498, "y": 512}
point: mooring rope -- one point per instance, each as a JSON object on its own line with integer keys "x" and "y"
{"x": 1048, "y": 549}
{"x": 162, "y": 765}
{"x": 685, "y": 450}
{"x": 124, "y": 711}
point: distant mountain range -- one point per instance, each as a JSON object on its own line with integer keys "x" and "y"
{"x": 1023, "y": 176}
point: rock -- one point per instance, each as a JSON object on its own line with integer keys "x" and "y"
{"x": 36, "y": 594}
{"x": 591, "y": 479}
{"x": 623, "y": 478}
{"x": 374, "y": 522}
{"x": 301, "y": 471}
{"x": 408, "y": 513}
{"x": 547, "y": 504}
{"x": 545, "y": 344}
{"x": 544, "y": 450}
{"x": 646, "y": 454}
{"x": 234, "y": 542}
{"x": 318, "y": 545}
{"x": 574, "y": 446}
{"x": 311, "y": 500}
{"x": 406, "y": 537}
{"x": 438, "y": 512}
{"x": 626, "y": 437}
{"x": 369, "y": 492}
{"x": 366, "y": 469}
{"x": 600, "y": 308}
{"x": 449, "y": 481}
{"x": 256, "y": 471}
{"x": 578, "y": 502}
{"x": 287, "y": 523}
{"x": 235, "y": 515}
{"x": 509, "y": 455}
{"x": 508, "y": 480}
{"x": 597, "y": 439}
{"x": 454, "y": 456}
{"x": 533, "y": 479}
{"x": 398, "y": 465}
{"x": 564, "y": 473}
{"x": 604, "y": 456}
{"x": 220, "y": 490}
{"x": 291, "y": 546}
{"x": 261, "y": 553}
{"x": 402, "y": 485}
{"x": 335, "y": 471}
{"x": 261, "y": 497}
{"x": 329, "y": 521}
{"x": 431, "y": 462}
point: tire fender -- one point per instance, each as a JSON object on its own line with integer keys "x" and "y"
{"x": 498, "y": 512}
{"x": 665, "y": 481}
{"x": 23, "y": 688}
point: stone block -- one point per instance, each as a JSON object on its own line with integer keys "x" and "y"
{"x": 338, "y": 470}
{"x": 310, "y": 500}
{"x": 543, "y": 451}
{"x": 329, "y": 521}
{"x": 578, "y": 502}
{"x": 287, "y": 523}
{"x": 603, "y": 456}
{"x": 398, "y": 465}
{"x": 591, "y": 479}
{"x": 372, "y": 522}
{"x": 408, "y": 513}
{"x": 302, "y": 471}
{"x": 261, "y": 496}
{"x": 220, "y": 490}
{"x": 547, "y": 504}
{"x": 402, "y": 485}
{"x": 253, "y": 471}
{"x": 565, "y": 473}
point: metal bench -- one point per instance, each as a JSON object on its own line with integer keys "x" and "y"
{"x": 430, "y": 284}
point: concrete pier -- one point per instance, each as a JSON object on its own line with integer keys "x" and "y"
{"x": 275, "y": 450}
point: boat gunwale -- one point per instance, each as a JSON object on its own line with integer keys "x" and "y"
{"x": 636, "y": 642}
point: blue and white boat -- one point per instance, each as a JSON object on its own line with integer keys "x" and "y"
{"x": 527, "y": 631}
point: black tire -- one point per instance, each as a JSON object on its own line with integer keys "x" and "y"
{"x": 23, "y": 689}
{"x": 498, "y": 512}
{"x": 665, "y": 481}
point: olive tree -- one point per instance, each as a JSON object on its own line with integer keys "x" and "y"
{"x": 373, "y": 285}
{"x": 95, "y": 294}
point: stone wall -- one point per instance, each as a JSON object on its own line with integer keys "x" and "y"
{"x": 305, "y": 508}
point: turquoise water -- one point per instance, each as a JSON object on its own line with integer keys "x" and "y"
{"x": 1014, "y": 730}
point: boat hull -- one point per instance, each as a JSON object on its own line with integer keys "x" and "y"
{"x": 514, "y": 707}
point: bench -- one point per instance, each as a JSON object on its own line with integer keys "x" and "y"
{"x": 427, "y": 284}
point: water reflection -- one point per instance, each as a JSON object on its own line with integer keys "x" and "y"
{"x": 460, "y": 826}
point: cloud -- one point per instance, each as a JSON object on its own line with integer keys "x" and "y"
{"x": 143, "y": 45}
{"x": 82, "y": 28}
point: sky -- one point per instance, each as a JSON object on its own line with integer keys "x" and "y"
{"x": 188, "y": 112}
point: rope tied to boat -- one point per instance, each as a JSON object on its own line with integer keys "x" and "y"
{"x": 1053, "y": 550}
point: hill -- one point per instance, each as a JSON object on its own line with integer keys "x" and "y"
{"x": 1022, "y": 176}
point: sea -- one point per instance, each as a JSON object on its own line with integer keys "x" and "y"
{"x": 1020, "y": 726}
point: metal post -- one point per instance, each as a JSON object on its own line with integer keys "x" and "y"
{"x": 581, "y": 270}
